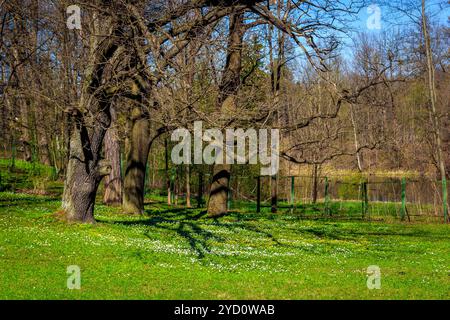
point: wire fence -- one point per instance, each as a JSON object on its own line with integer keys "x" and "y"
{"x": 408, "y": 199}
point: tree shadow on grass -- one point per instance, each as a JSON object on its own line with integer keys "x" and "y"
{"x": 248, "y": 227}
{"x": 188, "y": 224}
{"x": 191, "y": 225}
{"x": 184, "y": 224}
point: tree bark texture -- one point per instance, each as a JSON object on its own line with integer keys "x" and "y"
{"x": 113, "y": 181}
{"x": 134, "y": 181}
{"x": 90, "y": 121}
{"x": 229, "y": 87}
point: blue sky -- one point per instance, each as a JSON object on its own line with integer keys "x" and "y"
{"x": 438, "y": 13}
{"x": 390, "y": 19}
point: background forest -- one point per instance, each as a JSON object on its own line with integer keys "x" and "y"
{"x": 346, "y": 99}
{"x": 359, "y": 91}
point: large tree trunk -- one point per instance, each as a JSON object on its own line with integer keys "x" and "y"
{"x": 229, "y": 87}
{"x": 134, "y": 181}
{"x": 113, "y": 181}
{"x": 90, "y": 122}
{"x": 217, "y": 205}
{"x": 84, "y": 170}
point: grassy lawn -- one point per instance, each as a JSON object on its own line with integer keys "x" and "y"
{"x": 180, "y": 254}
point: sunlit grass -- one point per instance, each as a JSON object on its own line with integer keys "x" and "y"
{"x": 177, "y": 253}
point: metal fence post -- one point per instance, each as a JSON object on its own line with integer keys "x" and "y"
{"x": 444, "y": 198}
{"x": 364, "y": 198}
{"x": 229, "y": 194}
{"x": 13, "y": 152}
{"x": 200, "y": 190}
{"x": 173, "y": 176}
{"x": 258, "y": 194}
{"x": 403, "y": 209}
{"x": 327, "y": 198}
{"x": 293, "y": 192}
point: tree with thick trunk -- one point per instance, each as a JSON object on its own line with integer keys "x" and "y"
{"x": 84, "y": 171}
{"x": 135, "y": 171}
{"x": 114, "y": 43}
{"x": 90, "y": 121}
{"x": 226, "y": 102}
{"x": 134, "y": 181}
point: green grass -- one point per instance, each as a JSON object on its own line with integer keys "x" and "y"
{"x": 28, "y": 176}
{"x": 174, "y": 253}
